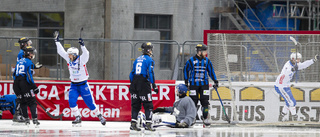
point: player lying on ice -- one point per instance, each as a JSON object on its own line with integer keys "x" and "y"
{"x": 181, "y": 115}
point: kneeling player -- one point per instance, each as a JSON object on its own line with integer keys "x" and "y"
{"x": 183, "y": 110}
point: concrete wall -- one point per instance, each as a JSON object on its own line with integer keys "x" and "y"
{"x": 114, "y": 19}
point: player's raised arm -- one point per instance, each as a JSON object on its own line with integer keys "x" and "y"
{"x": 85, "y": 53}
{"x": 60, "y": 49}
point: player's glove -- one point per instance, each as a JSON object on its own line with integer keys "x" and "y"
{"x": 56, "y": 36}
{"x": 295, "y": 68}
{"x": 316, "y": 57}
{"x": 216, "y": 84}
{"x": 155, "y": 88}
{"x": 159, "y": 109}
{"x": 37, "y": 65}
{"x": 81, "y": 42}
{"x": 36, "y": 91}
{"x": 182, "y": 125}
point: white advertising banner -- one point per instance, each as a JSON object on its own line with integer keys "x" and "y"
{"x": 260, "y": 103}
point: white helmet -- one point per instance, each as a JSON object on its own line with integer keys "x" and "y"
{"x": 74, "y": 51}
{"x": 294, "y": 55}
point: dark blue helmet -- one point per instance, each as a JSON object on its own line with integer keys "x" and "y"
{"x": 182, "y": 89}
{"x": 146, "y": 48}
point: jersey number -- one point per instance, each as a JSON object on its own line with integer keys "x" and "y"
{"x": 20, "y": 69}
{"x": 138, "y": 68}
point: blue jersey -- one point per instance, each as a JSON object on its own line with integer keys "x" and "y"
{"x": 143, "y": 65}
{"x": 25, "y": 68}
{"x": 196, "y": 71}
{"x": 20, "y": 55}
{"x": 8, "y": 102}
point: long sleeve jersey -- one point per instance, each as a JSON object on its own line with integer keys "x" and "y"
{"x": 283, "y": 80}
{"x": 143, "y": 65}
{"x": 196, "y": 71}
{"x": 20, "y": 54}
{"x": 187, "y": 110}
{"x": 78, "y": 72}
{"x": 24, "y": 68}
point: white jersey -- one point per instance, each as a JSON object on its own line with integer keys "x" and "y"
{"x": 77, "y": 72}
{"x": 283, "y": 80}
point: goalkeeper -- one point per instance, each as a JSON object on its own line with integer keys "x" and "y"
{"x": 183, "y": 110}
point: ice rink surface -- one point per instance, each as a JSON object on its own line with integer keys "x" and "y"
{"x": 121, "y": 129}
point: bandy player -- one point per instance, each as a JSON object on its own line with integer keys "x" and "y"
{"x": 282, "y": 85}
{"x": 79, "y": 76}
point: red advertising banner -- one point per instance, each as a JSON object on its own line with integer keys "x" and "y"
{"x": 112, "y": 97}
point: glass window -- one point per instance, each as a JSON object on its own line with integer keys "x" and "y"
{"x": 151, "y": 22}
{"x": 214, "y": 23}
{"x": 138, "y": 21}
{"x": 25, "y": 20}
{"x": 164, "y": 22}
{"x": 165, "y": 51}
{"x": 5, "y": 19}
{"x": 51, "y": 19}
{"x": 47, "y": 49}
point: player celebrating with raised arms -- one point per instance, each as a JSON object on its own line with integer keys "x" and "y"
{"x": 282, "y": 85}
{"x": 79, "y": 76}
{"x": 196, "y": 73}
{"x": 183, "y": 111}
{"x": 141, "y": 78}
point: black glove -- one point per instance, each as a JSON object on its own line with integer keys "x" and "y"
{"x": 159, "y": 109}
{"x": 216, "y": 84}
{"x": 295, "y": 68}
{"x": 56, "y": 36}
{"x": 81, "y": 42}
{"x": 316, "y": 57}
{"x": 155, "y": 88}
{"x": 182, "y": 125}
{"x": 36, "y": 91}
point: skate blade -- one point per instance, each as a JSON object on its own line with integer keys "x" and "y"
{"x": 76, "y": 125}
{"x": 135, "y": 132}
{"x": 206, "y": 125}
{"x": 18, "y": 124}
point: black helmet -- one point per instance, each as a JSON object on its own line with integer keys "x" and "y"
{"x": 28, "y": 50}
{"x": 22, "y": 41}
{"x": 146, "y": 48}
{"x": 201, "y": 47}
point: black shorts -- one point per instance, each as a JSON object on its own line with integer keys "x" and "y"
{"x": 200, "y": 92}
{"x": 140, "y": 88}
{"x": 22, "y": 89}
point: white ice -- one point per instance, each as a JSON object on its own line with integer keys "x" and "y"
{"x": 121, "y": 129}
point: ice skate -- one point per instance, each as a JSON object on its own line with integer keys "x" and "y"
{"x": 26, "y": 122}
{"x": 77, "y": 122}
{"x": 36, "y": 123}
{"x": 103, "y": 121}
{"x": 149, "y": 127}
{"x": 18, "y": 120}
{"x": 134, "y": 127}
{"x": 206, "y": 122}
{"x": 281, "y": 117}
